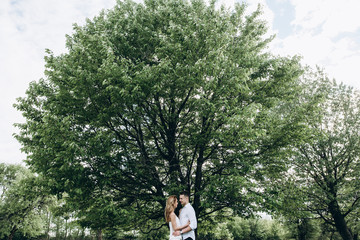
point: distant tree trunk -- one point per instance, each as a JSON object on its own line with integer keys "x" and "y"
{"x": 66, "y": 229}
{"x": 356, "y": 236}
{"x": 82, "y": 233}
{"x": 99, "y": 234}
{"x": 339, "y": 220}
{"x": 13, "y": 231}
{"x": 48, "y": 224}
{"x": 301, "y": 232}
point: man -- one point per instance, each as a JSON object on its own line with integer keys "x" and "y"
{"x": 187, "y": 213}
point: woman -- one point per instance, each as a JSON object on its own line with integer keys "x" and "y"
{"x": 172, "y": 219}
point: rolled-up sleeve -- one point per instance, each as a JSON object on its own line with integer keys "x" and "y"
{"x": 192, "y": 218}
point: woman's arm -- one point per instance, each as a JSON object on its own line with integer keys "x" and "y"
{"x": 173, "y": 223}
{"x": 186, "y": 229}
{"x": 182, "y": 227}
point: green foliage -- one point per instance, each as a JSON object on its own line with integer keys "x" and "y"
{"x": 324, "y": 179}
{"x": 247, "y": 229}
{"x": 303, "y": 229}
{"x": 222, "y": 232}
{"x": 22, "y": 202}
{"x": 158, "y": 97}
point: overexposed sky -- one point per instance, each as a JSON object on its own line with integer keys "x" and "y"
{"x": 324, "y": 32}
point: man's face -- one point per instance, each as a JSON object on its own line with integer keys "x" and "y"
{"x": 183, "y": 200}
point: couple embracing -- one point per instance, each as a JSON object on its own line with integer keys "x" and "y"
{"x": 181, "y": 227}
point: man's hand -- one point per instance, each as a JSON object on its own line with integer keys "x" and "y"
{"x": 176, "y": 233}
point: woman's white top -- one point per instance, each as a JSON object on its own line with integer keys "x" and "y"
{"x": 171, "y": 237}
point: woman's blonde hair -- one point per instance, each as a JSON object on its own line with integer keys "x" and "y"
{"x": 170, "y": 207}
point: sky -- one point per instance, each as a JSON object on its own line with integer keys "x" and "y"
{"x": 324, "y": 32}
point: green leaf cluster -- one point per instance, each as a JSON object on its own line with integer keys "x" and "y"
{"x": 22, "y": 200}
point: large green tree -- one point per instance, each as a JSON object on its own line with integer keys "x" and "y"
{"x": 324, "y": 180}
{"x": 158, "y": 97}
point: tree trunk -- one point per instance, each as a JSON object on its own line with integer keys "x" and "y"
{"x": 66, "y": 229}
{"x": 99, "y": 234}
{"x": 339, "y": 220}
{"x": 356, "y": 236}
{"x": 198, "y": 180}
{"x": 301, "y": 232}
{"x": 12, "y": 233}
{"x": 48, "y": 224}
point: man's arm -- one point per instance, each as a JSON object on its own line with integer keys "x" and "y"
{"x": 192, "y": 218}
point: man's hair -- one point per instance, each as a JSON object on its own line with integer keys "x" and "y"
{"x": 185, "y": 193}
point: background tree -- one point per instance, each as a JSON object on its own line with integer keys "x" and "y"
{"x": 325, "y": 177}
{"x": 21, "y": 203}
{"x": 155, "y": 98}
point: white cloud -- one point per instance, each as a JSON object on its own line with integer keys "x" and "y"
{"x": 346, "y": 71}
{"x": 324, "y": 33}
{"x": 315, "y": 49}
{"x": 331, "y": 16}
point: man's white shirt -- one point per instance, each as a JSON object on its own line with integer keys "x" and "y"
{"x": 188, "y": 213}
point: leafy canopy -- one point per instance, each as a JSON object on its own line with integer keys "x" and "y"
{"x": 324, "y": 180}
{"x": 157, "y": 97}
